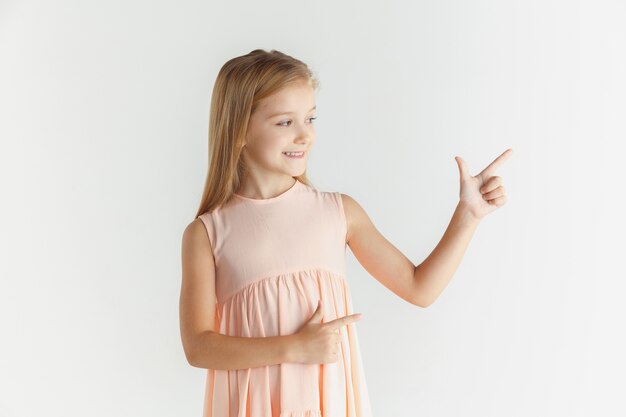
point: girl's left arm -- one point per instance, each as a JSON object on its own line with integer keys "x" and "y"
{"x": 421, "y": 285}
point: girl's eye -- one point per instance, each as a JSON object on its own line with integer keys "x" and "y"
{"x": 289, "y": 121}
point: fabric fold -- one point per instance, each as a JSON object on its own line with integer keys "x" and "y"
{"x": 279, "y": 306}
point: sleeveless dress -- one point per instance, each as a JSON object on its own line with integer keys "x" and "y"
{"x": 275, "y": 259}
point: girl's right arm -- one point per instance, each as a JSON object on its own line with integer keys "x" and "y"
{"x": 204, "y": 347}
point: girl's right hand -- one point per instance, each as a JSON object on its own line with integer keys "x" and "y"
{"x": 318, "y": 342}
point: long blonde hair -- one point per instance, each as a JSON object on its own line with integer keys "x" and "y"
{"x": 241, "y": 83}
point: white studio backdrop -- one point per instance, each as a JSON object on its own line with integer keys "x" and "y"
{"x": 103, "y": 126}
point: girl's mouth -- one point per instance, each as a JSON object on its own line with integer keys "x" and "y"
{"x": 294, "y": 155}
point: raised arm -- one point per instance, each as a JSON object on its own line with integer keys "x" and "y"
{"x": 421, "y": 285}
{"x": 393, "y": 269}
{"x": 377, "y": 255}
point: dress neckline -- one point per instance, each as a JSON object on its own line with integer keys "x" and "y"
{"x": 271, "y": 199}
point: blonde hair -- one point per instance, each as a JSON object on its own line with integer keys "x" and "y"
{"x": 241, "y": 83}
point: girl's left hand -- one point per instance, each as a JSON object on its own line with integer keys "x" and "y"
{"x": 483, "y": 193}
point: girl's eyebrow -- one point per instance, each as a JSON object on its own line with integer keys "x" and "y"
{"x": 287, "y": 112}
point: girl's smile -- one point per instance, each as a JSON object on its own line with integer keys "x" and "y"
{"x": 294, "y": 155}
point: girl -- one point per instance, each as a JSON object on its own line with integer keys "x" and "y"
{"x": 264, "y": 304}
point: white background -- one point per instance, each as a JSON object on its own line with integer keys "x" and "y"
{"x": 103, "y": 125}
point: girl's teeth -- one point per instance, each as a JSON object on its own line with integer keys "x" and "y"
{"x": 293, "y": 153}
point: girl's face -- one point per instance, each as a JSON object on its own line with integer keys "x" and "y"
{"x": 283, "y": 122}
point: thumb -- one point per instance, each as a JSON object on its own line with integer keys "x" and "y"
{"x": 463, "y": 170}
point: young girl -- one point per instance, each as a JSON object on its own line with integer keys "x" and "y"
{"x": 265, "y": 306}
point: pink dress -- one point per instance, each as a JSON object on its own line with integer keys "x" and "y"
{"x": 275, "y": 258}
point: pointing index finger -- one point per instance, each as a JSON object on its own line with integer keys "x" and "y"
{"x": 493, "y": 166}
{"x": 342, "y": 321}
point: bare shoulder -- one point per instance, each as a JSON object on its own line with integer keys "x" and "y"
{"x": 197, "y": 293}
{"x": 197, "y": 252}
{"x": 355, "y": 214}
{"x": 194, "y": 231}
